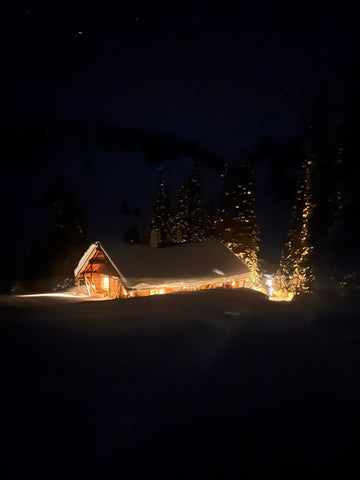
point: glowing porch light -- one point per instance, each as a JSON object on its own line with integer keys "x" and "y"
{"x": 233, "y": 283}
{"x": 161, "y": 291}
{"x": 106, "y": 283}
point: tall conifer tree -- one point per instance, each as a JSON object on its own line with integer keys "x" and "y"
{"x": 322, "y": 177}
{"x": 235, "y": 222}
{"x": 161, "y": 208}
{"x": 179, "y": 224}
{"x": 344, "y": 241}
{"x": 197, "y": 215}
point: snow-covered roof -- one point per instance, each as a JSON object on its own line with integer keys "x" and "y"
{"x": 145, "y": 267}
{"x": 84, "y": 259}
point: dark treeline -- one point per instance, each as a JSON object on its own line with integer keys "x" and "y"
{"x": 51, "y": 263}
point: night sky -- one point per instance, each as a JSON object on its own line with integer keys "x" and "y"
{"x": 222, "y": 77}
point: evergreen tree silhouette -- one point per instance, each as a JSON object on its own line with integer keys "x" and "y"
{"x": 295, "y": 273}
{"x": 179, "y": 225}
{"x": 235, "y": 221}
{"x": 161, "y": 208}
{"x": 52, "y": 265}
{"x": 197, "y": 217}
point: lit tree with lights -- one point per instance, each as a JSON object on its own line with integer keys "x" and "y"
{"x": 235, "y": 223}
{"x": 161, "y": 208}
{"x": 295, "y": 274}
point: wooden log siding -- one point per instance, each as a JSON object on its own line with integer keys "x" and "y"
{"x": 90, "y": 273}
{"x": 90, "y": 285}
{"x": 113, "y": 287}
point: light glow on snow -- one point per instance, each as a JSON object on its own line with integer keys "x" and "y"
{"x": 64, "y": 295}
{"x": 106, "y": 283}
{"x": 285, "y": 298}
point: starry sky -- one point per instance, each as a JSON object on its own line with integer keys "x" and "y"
{"x": 223, "y": 76}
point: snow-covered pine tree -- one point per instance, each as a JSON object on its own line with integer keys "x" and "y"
{"x": 323, "y": 175}
{"x": 198, "y": 219}
{"x": 179, "y": 225}
{"x": 161, "y": 208}
{"x": 235, "y": 222}
{"x": 295, "y": 273}
{"x": 344, "y": 244}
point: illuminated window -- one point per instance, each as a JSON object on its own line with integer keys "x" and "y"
{"x": 106, "y": 283}
{"x": 160, "y": 291}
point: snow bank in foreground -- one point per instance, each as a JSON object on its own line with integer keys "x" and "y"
{"x": 217, "y": 378}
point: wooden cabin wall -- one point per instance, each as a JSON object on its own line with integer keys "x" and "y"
{"x": 90, "y": 285}
{"x": 117, "y": 290}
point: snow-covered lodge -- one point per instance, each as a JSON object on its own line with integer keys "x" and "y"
{"x": 121, "y": 270}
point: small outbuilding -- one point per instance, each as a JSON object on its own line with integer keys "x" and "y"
{"x": 121, "y": 270}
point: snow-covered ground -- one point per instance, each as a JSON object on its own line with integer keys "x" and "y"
{"x": 212, "y": 383}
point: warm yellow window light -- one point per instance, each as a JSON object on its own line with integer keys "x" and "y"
{"x": 106, "y": 283}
